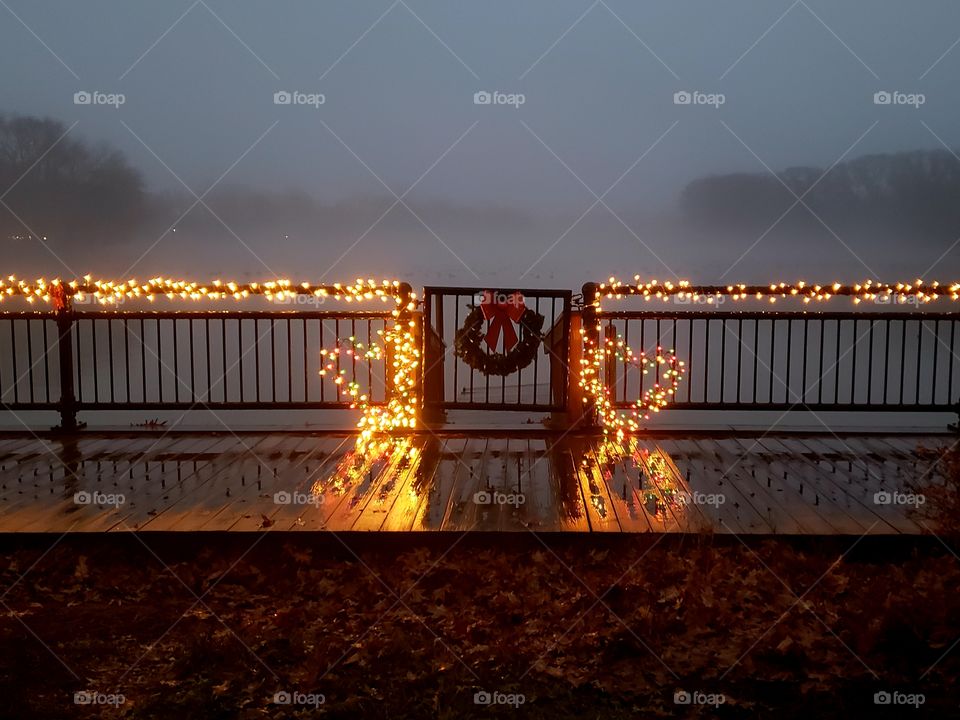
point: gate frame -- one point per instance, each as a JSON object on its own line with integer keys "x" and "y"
{"x": 434, "y": 353}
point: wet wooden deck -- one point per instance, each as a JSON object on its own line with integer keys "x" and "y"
{"x": 773, "y": 484}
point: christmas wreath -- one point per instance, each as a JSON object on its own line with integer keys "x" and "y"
{"x": 518, "y": 351}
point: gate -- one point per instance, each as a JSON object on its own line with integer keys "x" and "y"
{"x": 487, "y": 320}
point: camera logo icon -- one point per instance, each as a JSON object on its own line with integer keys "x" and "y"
{"x": 682, "y": 97}
{"x": 482, "y": 97}
{"x": 282, "y": 698}
{"x": 882, "y": 698}
{"x": 282, "y": 97}
{"x": 882, "y": 97}
{"x": 482, "y": 698}
{"x": 682, "y": 697}
{"x": 882, "y": 498}
{"x": 482, "y": 497}
{"x": 282, "y": 498}
{"x": 82, "y": 98}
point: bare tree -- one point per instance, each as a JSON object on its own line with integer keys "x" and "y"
{"x": 60, "y": 188}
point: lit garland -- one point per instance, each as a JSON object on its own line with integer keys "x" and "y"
{"x": 401, "y": 348}
{"x": 400, "y": 339}
{"x": 110, "y": 292}
{"x": 918, "y": 291}
{"x": 653, "y": 400}
{"x": 597, "y": 353}
{"x": 400, "y": 343}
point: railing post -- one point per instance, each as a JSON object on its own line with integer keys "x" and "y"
{"x": 591, "y": 338}
{"x": 63, "y": 310}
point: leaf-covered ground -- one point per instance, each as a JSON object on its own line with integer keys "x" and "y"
{"x": 404, "y": 627}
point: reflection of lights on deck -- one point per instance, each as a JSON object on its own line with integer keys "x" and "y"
{"x": 398, "y": 454}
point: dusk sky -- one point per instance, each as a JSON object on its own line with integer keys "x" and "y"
{"x": 398, "y": 80}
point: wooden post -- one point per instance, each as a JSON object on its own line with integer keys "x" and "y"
{"x": 574, "y": 355}
{"x": 610, "y": 365}
{"x": 63, "y": 309}
{"x": 434, "y": 352}
{"x": 403, "y": 317}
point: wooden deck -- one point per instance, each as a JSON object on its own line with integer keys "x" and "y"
{"x": 774, "y": 484}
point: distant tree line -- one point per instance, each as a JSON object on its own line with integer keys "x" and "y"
{"x": 59, "y": 187}
{"x": 907, "y": 193}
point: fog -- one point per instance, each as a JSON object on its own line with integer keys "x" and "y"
{"x": 397, "y": 172}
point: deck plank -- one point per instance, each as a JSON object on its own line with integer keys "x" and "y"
{"x": 95, "y": 471}
{"x": 435, "y": 509}
{"x": 571, "y": 502}
{"x": 810, "y": 489}
{"x": 622, "y": 486}
{"x": 216, "y": 485}
{"x": 793, "y": 513}
{"x": 776, "y": 484}
{"x": 600, "y": 508}
{"x": 383, "y": 492}
{"x": 845, "y": 495}
{"x": 462, "y": 512}
{"x": 706, "y": 476}
{"x": 413, "y": 487}
{"x": 121, "y": 478}
{"x": 541, "y": 510}
{"x": 283, "y": 473}
{"x": 864, "y": 480}
{"x": 756, "y": 510}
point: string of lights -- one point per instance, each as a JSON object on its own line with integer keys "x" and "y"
{"x": 110, "y": 292}
{"x": 402, "y": 353}
{"x": 400, "y": 347}
{"x": 597, "y": 353}
{"x": 113, "y": 291}
{"x": 916, "y": 292}
{"x": 399, "y": 338}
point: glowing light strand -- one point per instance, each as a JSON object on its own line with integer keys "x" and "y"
{"x": 399, "y": 339}
{"x": 900, "y": 293}
{"x": 597, "y": 353}
{"x": 402, "y": 353}
{"x": 112, "y": 292}
{"x": 282, "y": 290}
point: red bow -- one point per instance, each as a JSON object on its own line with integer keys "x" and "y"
{"x": 502, "y": 315}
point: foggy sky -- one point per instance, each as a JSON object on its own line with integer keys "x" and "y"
{"x": 399, "y": 82}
